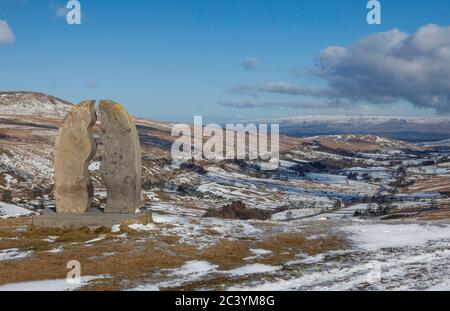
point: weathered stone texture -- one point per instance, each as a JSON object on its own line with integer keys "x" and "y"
{"x": 121, "y": 159}
{"x": 74, "y": 148}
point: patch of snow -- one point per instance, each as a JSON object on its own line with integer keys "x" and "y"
{"x": 307, "y": 260}
{"x": 287, "y": 164}
{"x": 294, "y": 214}
{"x": 12, "y": 211}
{"x": 49, "y": 285}
{"x": 176, "y": 164}
{"x": 152, "y": 196}
{"x": 146, "y": 288}
{"x": 441, "y": 287}
{"x": 253, "y": 269}
{"x": 9, "y": 180}
{"x": 391, "y": 270}
{"x": 189, "y": 272}
{"x": 94, "y": 166}
{"x": 13, "y": 254}
{"x": 164, "y": 219}
{"x": 31, "y": 166}
{"x": 195, "y": 267}
{"x": 101, "y": 237}
{"x": 357, "y": 207}
{"x": 56, "y": 250}
{"x": 115, "y": 228}
{"x": 108, "y": 254}
{"x": 141, "y": 227}
{"x": 377, "y": 236}
{"x": 327, "y": 178}
{"x": 258, "y": 253}
{"x": 50, "y": 239}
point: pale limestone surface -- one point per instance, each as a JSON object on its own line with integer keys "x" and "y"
{"x": 74, "y": 149}
{"x": 121, "y": 159}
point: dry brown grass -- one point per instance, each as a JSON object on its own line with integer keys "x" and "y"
{"x": 129, "y": 262}
{"x": 227, "y": 254}
{"x": 18, "y": 134}
{"x": 429, "y": 183}
{"x": 132, "y": 259}
{"x": 286, "y": 246}
{"x": 434, "y": 215}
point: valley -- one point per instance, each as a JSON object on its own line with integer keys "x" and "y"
{"x": 343, "y": 211}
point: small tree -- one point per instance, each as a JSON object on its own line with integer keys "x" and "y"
{"x": 289, "y": 215}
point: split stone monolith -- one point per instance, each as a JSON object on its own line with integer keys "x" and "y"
{"x": 74, "y": 149}
{"x": 120, "y": 166}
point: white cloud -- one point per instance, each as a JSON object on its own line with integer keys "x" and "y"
{"x": 391, "y": 66}
{"x": 291, "y": 89}
{"x": 382, "y": 68}
{"x": 6, "y": 34}
{"x": 270, "y": 104}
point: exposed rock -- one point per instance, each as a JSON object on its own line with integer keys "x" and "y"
{"x": 121, "y": 160}
{"x": 74, "y": 148}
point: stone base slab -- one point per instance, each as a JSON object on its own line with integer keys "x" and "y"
{"x": 89, "y": 219}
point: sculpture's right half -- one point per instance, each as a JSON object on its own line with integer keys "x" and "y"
{"x": 121, "y": 159}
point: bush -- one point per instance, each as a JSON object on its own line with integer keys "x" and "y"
{"x": 189, "y": 190}
{"x": 193, "y": 167}
{"x": 238, "y": 210}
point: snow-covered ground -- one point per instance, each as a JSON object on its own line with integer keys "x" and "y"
{"x": 11, "y": 211}
{"x": 378, "y": 236}
{"x": 383, "y": 257}
{"x": 13, "y": 254}
{"x": 49, "y": 285}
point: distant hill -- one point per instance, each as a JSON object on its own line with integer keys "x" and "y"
{"x": 32, "y": 103}
{"x": 414, "y": 129}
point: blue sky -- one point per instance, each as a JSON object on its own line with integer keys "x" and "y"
{"x": 173, "y": 59}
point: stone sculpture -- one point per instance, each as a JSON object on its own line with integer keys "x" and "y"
{"x": 75, "y": 147}
{"x": 120, "y": 166}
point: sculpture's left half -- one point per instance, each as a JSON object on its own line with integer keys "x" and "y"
{"x": 74, "y": 149}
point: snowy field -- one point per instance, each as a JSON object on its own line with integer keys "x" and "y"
{"x": 377, "y": 255}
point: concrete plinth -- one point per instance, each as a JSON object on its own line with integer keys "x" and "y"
{"x": 90, "y": 219}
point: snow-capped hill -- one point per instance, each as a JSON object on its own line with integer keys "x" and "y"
{"x": 378, "y": 142}
{"x": 404, "y": 128}
{"x": 32, "y": 104}
{"x": 440, "y": 143}
{"x": 342, "y": 119}
{"x": 360, "y": 143}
